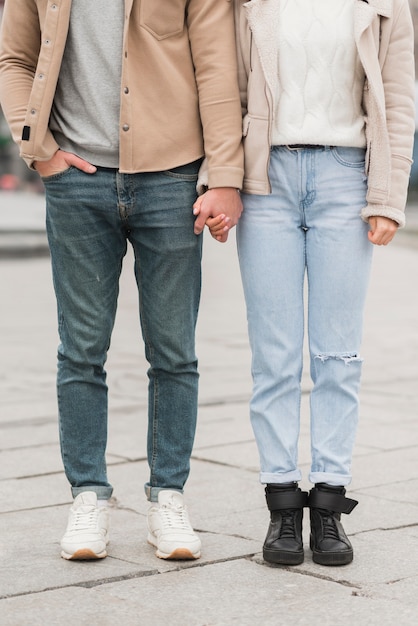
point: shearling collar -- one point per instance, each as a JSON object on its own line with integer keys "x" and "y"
{"x": 382, "y": 7}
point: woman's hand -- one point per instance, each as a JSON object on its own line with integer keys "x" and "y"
{"x": 218, "y": 201}
{"x": 382, "y": 230}
{"x": 219, "y": 227}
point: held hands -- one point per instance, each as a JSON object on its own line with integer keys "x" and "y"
{"x": 60, "y": 162}
{"x": 220, "y": 208}
{"x": 382, "y": 230}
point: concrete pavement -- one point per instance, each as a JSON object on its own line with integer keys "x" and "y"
{"x": 230, "y": 584}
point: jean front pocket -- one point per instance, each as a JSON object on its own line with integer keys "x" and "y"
{"x": 188, "y": 172}
{"x": 349, "y": 157}
{"x": 58, "y": 176}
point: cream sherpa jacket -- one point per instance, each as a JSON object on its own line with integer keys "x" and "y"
{"x": 384, "y": 38}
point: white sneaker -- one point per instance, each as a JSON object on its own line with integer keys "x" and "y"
{"x": 170, "y": 530}
{"x": 87, "y": 532}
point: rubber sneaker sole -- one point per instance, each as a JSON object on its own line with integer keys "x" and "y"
{"x": 84, "y": 554}
{"x": 179, "y": 554}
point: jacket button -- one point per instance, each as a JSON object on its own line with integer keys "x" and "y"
{"x": 125, "y": 127}
{"x": 126, "y": 90}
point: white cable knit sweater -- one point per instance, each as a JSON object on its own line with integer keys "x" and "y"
{"x": 320, "y": 78}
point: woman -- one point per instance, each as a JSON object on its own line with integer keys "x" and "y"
{"x": 328, "y": 98}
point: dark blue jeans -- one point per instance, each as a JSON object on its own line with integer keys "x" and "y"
{"x": 90, "y": 219}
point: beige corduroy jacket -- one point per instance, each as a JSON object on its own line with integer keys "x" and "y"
{"x": 384, "y": 39}
{"x": 179, "y": 94}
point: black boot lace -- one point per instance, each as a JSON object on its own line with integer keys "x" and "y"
{"x": 329, "y": 526}
{"x": 287, "y": 529}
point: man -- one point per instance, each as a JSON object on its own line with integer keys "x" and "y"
{"x": 115, "y": 104}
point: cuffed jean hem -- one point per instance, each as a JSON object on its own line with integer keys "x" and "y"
{"x": 336, "y": 480}
{"x": 152, "y": 492}
{"x": 286, "y": 477}
{"x": 103, "y": 493}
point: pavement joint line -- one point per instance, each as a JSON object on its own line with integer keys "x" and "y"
{"x": 56, "y": 472}
{"x": 366, "y": 490}
{"x": 376, "y": 451}
{"x": 383, "y": 529}
{"x": 32, "y": 421}
{"x": 302, "y": 572}
{"x": 98, "y": 582}
{"x": 224, "y": 401}
{"x": 84, "y": 585}
{"x": 203, "y": 531}
{"x": 397, "y": 580}
{"x": 33, "y": 446}
{"x": 110, "y": 463}
{"x": 223, "y": 464}
{"x": 124, "y": 459}
{"x": 389, "y": 394}
{"x": 224, "y": 445}
{"x": 36, "y": 508}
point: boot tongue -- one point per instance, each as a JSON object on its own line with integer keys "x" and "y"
{"x": 281, "y": 487}
{"x": 330, "y": 488}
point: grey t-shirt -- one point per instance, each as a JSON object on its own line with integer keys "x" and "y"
{"x": 85, "y": 113}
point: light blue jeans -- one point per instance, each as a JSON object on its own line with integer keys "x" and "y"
{"x": 310, "y": 225}
{"x": 90, "y": 219}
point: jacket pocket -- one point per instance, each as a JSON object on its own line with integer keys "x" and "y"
{"x": 163, "y": 19}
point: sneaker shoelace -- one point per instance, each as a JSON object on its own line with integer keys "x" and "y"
{"x": 287, "y": 529}
{"x": 85, "y": 519}
{"x": 174, "y": 517}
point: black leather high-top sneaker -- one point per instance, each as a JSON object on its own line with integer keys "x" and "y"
{"x": 283, "y": 543}
{"x": 329, "y": 543}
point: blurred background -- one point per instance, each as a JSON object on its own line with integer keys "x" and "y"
{"x": 15, "y": 176}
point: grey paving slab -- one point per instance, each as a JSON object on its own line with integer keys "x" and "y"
{"x": 41, "y": 459}
{"x": 37, "y": 460}
{"x": 29, "y": 494}
{"x": 379, "y": 468}
{"x": 128, "y": 431}
{"x": 22, "y": 211}
{"x": 398, "y": 491}
{"x": 221, "y": 424}
{"x": 215, "y": 595}
{"x": 26, "y": 564}
{"x": 26, "y": 433}
{"x": 242, "y": 455}
{"x": 22, "y": 225}
{"x": 383, "y": 557}
{"x": 381, "y": 509}
{"x": 212, "y": 490}
{"x": 403, "y": 592}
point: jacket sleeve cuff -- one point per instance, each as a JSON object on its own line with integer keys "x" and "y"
{"x": 374, "y": 210}
{"x": 225, "y": 177}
